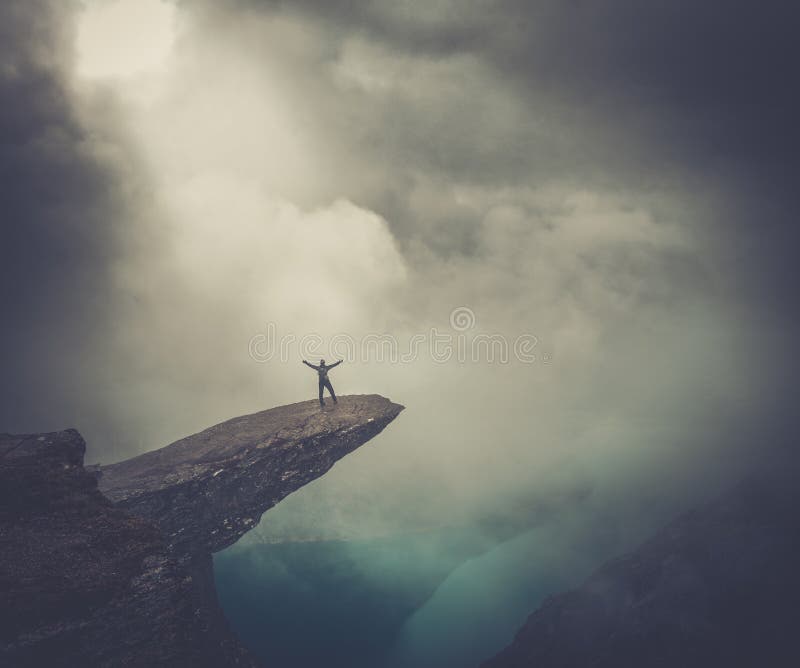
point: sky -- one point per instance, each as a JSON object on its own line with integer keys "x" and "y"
{"x": 614, "y": 182}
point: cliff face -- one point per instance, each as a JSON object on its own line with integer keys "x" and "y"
{"x": 717, "y": 587}
{"x": 83, "y": 582}
{"x": 207, "y": 490}
{"x": 122, "y": 575}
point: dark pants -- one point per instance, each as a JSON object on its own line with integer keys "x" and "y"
{"x": 322, "y": 385}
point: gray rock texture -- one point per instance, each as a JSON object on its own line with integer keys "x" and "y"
{"x": 121, "y": 575}
{"x": 207, "y": 490}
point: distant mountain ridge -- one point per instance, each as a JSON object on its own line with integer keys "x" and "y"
{"x": 719, "y": 586}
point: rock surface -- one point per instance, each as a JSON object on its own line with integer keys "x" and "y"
{"x": 717, "y": 587}
{"x": 83, "y": 582}
{"x": 207, "y": 490}
{"x": 122, "y": 575}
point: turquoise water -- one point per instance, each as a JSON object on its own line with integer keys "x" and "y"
{"x": 447, "y": 598}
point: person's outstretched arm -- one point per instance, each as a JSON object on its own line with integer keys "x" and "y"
{"x": 330, "y": 366}
{"x": 313, "y": 366}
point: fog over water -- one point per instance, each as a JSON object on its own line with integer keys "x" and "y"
{"x": 611, "y": 183}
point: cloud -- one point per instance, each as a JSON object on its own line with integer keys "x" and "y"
{"x": 360, "y": 167}
{"x": 60, "y": 204}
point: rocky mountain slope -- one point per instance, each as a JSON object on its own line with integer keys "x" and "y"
{"x": 717, "y": 587}
{"x": 122, "y": 574}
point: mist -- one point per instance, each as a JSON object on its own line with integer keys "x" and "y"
{"x": 362, "y": 169}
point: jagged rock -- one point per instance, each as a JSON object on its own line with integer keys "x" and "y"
{"x": 83, "y": 582}
{"x": 717, "y": 587}
{"x": 207, "y": 490}
{"x": 88, "y": 582}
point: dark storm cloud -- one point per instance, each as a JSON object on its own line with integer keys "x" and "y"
{"x": 622, "y": 97}
{"x": 701, "y": 91}
{"x": 708, "y": 84}
{"x": 727, "y": 66}
{"x": 623, "y": 93}
{"x": 58, "y": 216}
{"x": 438, "y": 27}
{"x": 678, "y": 109}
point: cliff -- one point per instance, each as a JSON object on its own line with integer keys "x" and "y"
{"x": 207, "y": 490}
{"x": 121, "y": 574}
{"x": 717, "y": 587}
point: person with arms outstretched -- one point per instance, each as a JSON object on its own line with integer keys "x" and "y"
{"x": 324, "y": 381}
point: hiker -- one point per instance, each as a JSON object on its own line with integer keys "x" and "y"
{"x": 324, "y": 381}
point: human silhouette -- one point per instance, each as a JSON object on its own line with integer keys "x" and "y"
{"x": 324, "y": 381}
